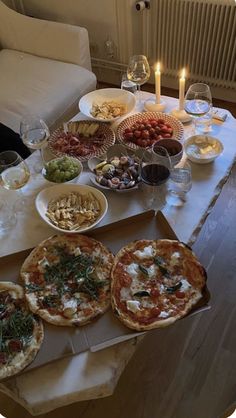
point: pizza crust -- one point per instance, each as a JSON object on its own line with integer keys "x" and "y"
{"x": 165, "y": 248}
{"x": 24, "y": 357}
{"x": 96, "y": 308}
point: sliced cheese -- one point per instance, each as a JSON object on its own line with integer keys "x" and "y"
{"x": 133, "y": 305}
{"x": 146, "y": 252}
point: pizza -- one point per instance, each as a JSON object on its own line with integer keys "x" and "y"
{"x": 67, "y": 279}
{"x": 155, "y": 282}
{"x": 21, "y": 332}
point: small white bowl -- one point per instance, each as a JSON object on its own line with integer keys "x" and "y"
{"x": 73, "y": 180}
{"x": 123, "y": 97}
{"x": 203, "y": 149}
{"x": 54, "y": 192}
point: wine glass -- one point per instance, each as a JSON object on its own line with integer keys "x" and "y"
{"x": 14, "y": 174}
{"x": 138, "y": 71}
{"x": 154, "y": 173}
{"x": 180, "y": 183}
{"x": 34, "y": 133}
{"x": 198, "y": 103}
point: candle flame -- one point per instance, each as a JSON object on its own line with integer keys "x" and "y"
{"x": 183, "y": 73}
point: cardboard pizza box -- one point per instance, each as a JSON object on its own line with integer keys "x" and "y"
{"x": 107, "y": 330}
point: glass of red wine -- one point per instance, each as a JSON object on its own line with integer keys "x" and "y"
{"x": 154, "y": 173}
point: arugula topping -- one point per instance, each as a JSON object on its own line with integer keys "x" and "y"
{"x": 143, "y": 269}
{"x": 161, "y": 265}
{"x": 78, "y": 268}
{"x": 50, "y": 301}
{"x": 18, "y": 326}
{"x": 33, "y": 287}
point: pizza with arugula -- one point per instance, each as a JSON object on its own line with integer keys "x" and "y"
{"x": 21, "y": 332}
{"x": 67, "y": 279}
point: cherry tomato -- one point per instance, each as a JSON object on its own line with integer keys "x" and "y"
{"x": 139, "y": 142}
{"x": 152, "y": 131}
{"x": 179, "y": 294}
{"x": 161, "y": 122}
{"x": 137, "y": 133}
{"x": 144, "y": 143}
{"x": 155, "y": 292}
{"x": 145, "y": 134}
{"x": 128, "y": 136}
{"x": 156, "y": 311}
{"x": 127, "y": 130}
{"x": 166, "y": 135}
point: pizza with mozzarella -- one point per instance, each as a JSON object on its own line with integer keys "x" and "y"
{"x": 21, "y": 332}
{"x": 67, "y": 279}
{"x": 155, "y": 282}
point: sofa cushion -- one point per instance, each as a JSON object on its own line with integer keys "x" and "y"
{"x": 40, "y": 86}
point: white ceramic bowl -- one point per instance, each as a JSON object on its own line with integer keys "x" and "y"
{"x": 54, "y": 192}
{"x": 73, "y": 180}
{"x": 123, "y": 97}
{"x": 203, "y": 149}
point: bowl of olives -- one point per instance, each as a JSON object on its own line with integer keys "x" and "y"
{"x": 62, "y": 170}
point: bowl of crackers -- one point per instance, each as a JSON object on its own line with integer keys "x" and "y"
{"x": 71, "y": 208}
{"x": 107, "y": 105}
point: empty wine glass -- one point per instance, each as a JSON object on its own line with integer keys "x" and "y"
{"x": 138, "y": 71}
{"x": 34, "y": 133}
{"x": 154, "y": 173}
{"x": 198, "y": 103}
{"x": 14, "y": 174}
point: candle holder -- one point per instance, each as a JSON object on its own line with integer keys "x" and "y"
{"x": 151, "y": 106}
{"x": 181, "y": 115}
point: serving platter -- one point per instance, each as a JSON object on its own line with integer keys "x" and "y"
{"x": 175, "y": 125}
{"x": 115, "y": 154}
{"x": 73, "y": 144}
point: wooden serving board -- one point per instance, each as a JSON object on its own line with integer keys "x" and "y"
{"x": 106, "y": 330}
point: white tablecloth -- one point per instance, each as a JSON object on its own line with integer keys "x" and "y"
{"x": 91, "y": 375}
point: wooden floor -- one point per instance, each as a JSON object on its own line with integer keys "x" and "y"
{"x": 189, "y": 369}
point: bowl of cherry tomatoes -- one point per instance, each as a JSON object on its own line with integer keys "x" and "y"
{"x": 142, "y": 130}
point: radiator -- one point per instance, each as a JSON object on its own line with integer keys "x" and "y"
{"x": 199, "y": 35}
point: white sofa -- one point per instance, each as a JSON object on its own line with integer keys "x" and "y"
{"x": 45, "y": 68}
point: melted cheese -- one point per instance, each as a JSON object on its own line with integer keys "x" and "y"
{"x": 175, "y": 259}
{"x": 146, "y": 252}
{"x": 133, "y": 305}
{"x": 185, "y": 285}
{"x": 70, "y": 308}
{"x": 124, "y": 293}
{"x": 132, "y": 269}
{"x": 77, "y": 251}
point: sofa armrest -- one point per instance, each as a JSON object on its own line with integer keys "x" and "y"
{"x": 59, "y": 41}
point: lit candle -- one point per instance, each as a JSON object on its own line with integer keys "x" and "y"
{"x": 158, "y": 83}
{"x": 181, "y": 90}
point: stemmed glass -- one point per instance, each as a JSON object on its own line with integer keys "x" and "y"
{"x": 34, "y": 133}
{"x": 138, "y": 71}
{"x": 198, "y": 103}
{"x": 154, "y": 173}
{"x": 14, "y": 174}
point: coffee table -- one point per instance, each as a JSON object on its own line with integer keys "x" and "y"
{"x": 92, "y": 375}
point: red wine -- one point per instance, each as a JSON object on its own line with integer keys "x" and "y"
{"x": 154, "y": 174}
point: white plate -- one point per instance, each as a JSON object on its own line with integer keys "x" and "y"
{"x": 117, "y": 150}
{"x": 203, "y": 149}
{"x": 123, "y": 97}
{"x": 54, "y": 192}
